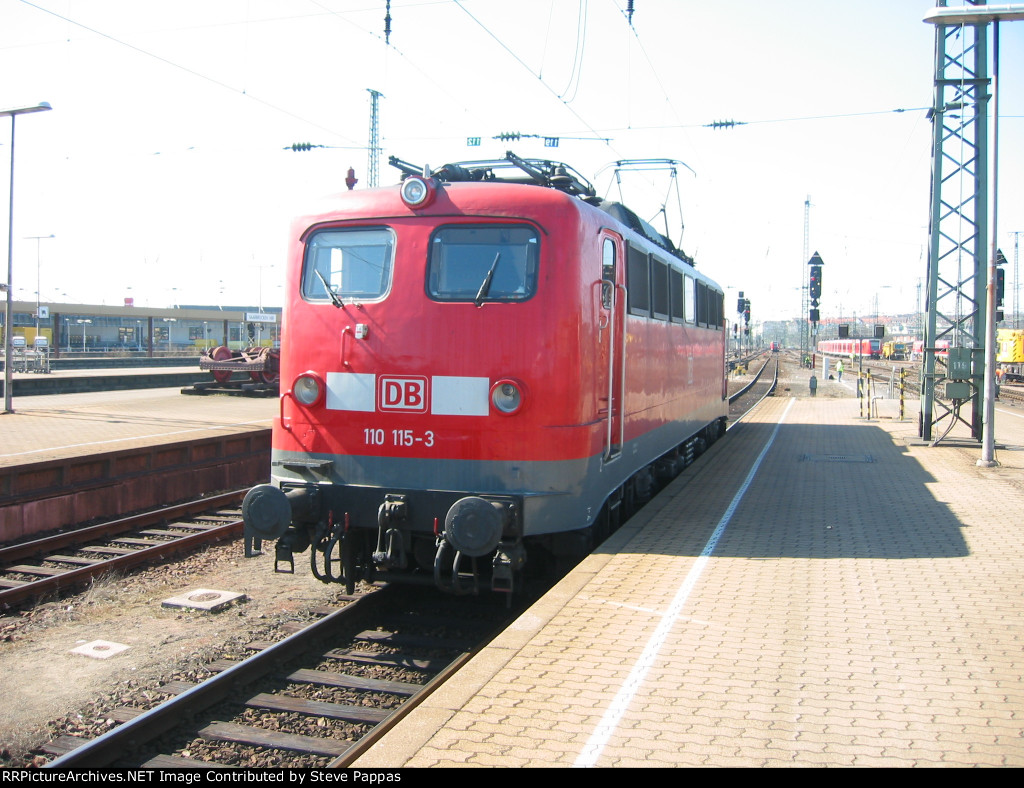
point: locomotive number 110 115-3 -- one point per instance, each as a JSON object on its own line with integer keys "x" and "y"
{"x": 380, "y": 437}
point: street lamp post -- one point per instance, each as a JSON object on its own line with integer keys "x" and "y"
{"x": 169, "y": 321}
{"x": 38, "y": 239}
{"x": 83, "y": 324}
{"x": 9, "y": 309}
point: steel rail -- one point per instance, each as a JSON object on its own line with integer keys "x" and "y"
{"x": 40, "y": 548}
{"x": 129, "y": 736}
{"x": 141, "y": 730}
{"x": 757, "y": 377}
{"x": 385, "y": 726}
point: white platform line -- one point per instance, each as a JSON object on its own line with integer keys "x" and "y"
{"x": 613, "y": 716}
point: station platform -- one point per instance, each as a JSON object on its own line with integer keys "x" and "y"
{"x": 819, "y": 589}
{"x": 79, "y": 380}
{"x": 61, "y": 426}
{"x": 66, "y": 459}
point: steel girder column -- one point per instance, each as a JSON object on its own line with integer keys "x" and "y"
{"x": 958, "y": 225}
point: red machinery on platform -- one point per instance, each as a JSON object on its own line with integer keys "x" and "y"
{"x": 254, "y": 370}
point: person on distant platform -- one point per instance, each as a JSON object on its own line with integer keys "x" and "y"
{"x": 839, "y": 370}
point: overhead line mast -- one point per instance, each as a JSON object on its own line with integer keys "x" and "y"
{"x": 373, "y": 165}
{"x": 958, "y": 230}
{"x": 959, "y": 225}
{"x": 806, "y": 343}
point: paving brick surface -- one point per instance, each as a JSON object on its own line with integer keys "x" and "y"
{"x": 860, "y": 607}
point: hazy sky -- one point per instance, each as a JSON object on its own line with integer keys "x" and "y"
{"x": 163, "y": 172}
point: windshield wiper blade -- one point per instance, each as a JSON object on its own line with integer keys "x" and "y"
{"x": 334, "y": 296}
{"x": 485, "y": 286}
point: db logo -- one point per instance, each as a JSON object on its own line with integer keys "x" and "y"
{"x": 406, "y": 394}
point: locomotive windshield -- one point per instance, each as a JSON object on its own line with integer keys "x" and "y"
{"x": 355, "y": 264}
{"x": 483, "y": 263}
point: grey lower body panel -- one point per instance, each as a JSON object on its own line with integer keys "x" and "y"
{"x": 554, "y": 496}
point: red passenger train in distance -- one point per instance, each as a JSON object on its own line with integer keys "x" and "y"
{"x": 867, "y": 348}
{"x": 483, "y": 368}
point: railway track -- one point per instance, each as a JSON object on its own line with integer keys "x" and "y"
{"x": 1011, "y": 395}
{"x": 763, "y": 384}
{"x": 886, "y": 372}
{"x": 66, "y": 561}
{"x": 882, "y": 373}
{"x": 315, "y": 699}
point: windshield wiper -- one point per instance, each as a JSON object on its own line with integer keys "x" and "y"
{"x": 334, "y": 296}
{"x": 485, "y": 286}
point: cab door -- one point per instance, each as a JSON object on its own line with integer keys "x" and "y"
{"x": 611, "y": 345}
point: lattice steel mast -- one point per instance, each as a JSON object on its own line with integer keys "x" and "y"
{"x": 373, "y": 165}
{"x": 958, "y": 227}
{"x": 806, "y": 340}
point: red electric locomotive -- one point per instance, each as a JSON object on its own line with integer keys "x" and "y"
{"x": 480, "y": 364}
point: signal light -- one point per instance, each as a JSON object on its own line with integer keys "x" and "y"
{"x": 1000, "y": 286}
{"x": 815, "y": 315}
{"x": 815, "y": 281}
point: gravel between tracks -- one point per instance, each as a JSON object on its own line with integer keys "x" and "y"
{"x": 49, "y": 691}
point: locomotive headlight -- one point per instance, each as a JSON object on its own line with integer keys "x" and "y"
{"x": 507, "y": 396}
{"x": 418, "y": 192}
{"x": 308, "y": 389}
